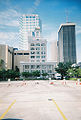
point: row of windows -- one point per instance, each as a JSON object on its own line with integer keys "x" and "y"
{"x": 38, "y": 48}
{"x": 38, "y": 56}
{"x": 38, "y": 44}
{"x": 30, "y": 17}
{"x": 38, "y": 67}
{"x": 30, "y": 23}
{"x": 37, "y": 60}
{"x": 21, "y": 53}
{"x": 43, "y": 71}
{"x": 38, "y": 52}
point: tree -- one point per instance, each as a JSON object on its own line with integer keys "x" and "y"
{"x": 36, "y": 73}
{"x": 78, "y": 72}
{"x": 71, "y": 72}
{"x": 3, "y": 74}
{"x": 62, "y": 68}
{"x": 26, "y": 74}
{"x": 2, "y": 64}
{"x": 10, "y": 74}
{"x": 44, "y": 75}
{"x": 17, "y": 74}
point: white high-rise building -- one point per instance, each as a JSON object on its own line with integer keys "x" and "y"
{"x": 28, "y": 24}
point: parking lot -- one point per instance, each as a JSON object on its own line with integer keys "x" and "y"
{"x": 40, "y": 100}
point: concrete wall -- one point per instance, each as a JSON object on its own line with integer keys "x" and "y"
{"x": 20, "y": 55}
{"x": 6, "y": 55}
{"x": 53, "y": 51}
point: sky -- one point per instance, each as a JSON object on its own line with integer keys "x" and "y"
{"x": 51, "y": 12}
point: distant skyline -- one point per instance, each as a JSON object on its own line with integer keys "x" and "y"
{"x": 52, "y": 13}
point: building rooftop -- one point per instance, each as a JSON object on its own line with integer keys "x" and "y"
{"x": 66, "y": 24}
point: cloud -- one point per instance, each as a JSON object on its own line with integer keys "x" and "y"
{"x": 50, "y": 32}
{"x": 9, "y": 17}
{"x": 34, "y": 7}
{"x": 52, "y": 37}
{"x": 78, "y": 30}
{"x": 8, "y": 20}
{"x": 9, "y": 38}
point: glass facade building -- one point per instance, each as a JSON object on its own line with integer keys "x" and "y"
{"x": 67, "y": 43}
{"x": 28, "y": 23}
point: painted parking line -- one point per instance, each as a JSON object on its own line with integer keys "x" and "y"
{"x": 2, "y": 116}
{"x": 59, "y": 110}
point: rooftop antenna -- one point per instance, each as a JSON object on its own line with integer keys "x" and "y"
{"x": 66, "y": 16}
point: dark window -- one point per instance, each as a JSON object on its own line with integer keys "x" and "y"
{"x": 32, "y": 56}
{"x": 14, "y": 53}
{"x": 19, "y": 53}
{"x": 26, "y": 53}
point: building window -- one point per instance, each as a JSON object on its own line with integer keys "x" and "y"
{"x": 43, "y": 66}
{"x": 32, "y": 44}
{"x": 38, "y": 48}
{"x": 26, "y": 53}
{"x": 38, "y": 44}
{"x": 26, "y": 66}
{"x": 32, "y": 56}
{"x": 26, "y": 70}
{"x": 19, "y": 53}
{"x": 38, "y": 66}
{"x": 32, "y": 49}
{"x": 38, "y": 52}
{"x": 43, "y": 71}
{"x": 43, "y": 52}
{"x": 32, "y": 61}
{"x": 32, "y": 52}
{"x": 32, "y": 66}
{"x": 49, "y": 66}
{"x": 43, "y": 44}
{"x": 37, "y": 56}
{"x": 42, "y": 56}
{"x": 43, "y": 60}
{"x": 43, "y": 48}
{"x": 49, "y": 71}
{"x": 38, "y": 61}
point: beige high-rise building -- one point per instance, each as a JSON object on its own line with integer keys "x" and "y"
{"x": 6, "y": 53}
{"x": 53, "y": 52}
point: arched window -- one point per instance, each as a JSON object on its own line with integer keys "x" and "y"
{"x": 38, "y": 44}
{"x": 32, "y": 49}
{"x": 43, "y": 44}
{"x": 32, "y": 44}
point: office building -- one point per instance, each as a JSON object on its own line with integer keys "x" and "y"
{"x": 6, "y": 54}
{"x": 43, "y": 67}
{"x": 28, "y": 23}
{"x": 20, "y": 55}
{"x": 37, "y": 47}
{"x": 67, "y": 43}
{"x": 53, "y": 51}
